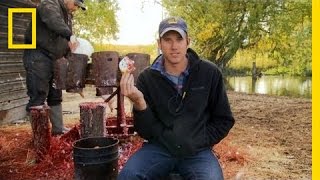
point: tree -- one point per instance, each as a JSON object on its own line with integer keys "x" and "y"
{"x": 291, "y": 37}
{"x": 98, "y": 23}
{"x": 220, "y": 28}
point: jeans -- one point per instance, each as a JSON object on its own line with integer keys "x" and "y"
{"x": 153, "y": 162}
{"x": 39, "y": 79}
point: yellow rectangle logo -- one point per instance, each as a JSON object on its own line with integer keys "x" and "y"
{"x": 10, "y": 28}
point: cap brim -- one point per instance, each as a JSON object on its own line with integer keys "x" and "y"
{"x": 180, "y": 31}
{"x": 81, "y": 5}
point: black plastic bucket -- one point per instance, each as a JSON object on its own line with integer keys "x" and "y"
{"x": 96, "y": 158}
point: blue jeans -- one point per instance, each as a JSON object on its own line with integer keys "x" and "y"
{"x": 153, "y": 162}
{"x": 39, "y": 79}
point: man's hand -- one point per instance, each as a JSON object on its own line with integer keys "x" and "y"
{"x": 132, "y": 92}
{"x": 73, "y": 45}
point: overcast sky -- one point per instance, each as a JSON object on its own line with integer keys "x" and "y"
{"x": 137, "y": 25}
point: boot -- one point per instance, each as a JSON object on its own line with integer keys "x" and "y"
{"x": 57, "y": 121}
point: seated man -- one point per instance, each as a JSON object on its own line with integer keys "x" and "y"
{"x": 180, "y": 108}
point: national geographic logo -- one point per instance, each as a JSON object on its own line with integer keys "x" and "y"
{"x": 10, "y": 28}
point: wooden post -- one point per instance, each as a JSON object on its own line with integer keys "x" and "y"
{"x": 92, "y": 119}
{"x": 41, "y": 130}
{"x": 121, "y": 116}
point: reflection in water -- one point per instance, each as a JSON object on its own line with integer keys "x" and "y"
{"x": 273, "y": 85}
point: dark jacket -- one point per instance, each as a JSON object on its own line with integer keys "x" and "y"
{"x": 53, "y": 31}
{"x": 205, "y": 117}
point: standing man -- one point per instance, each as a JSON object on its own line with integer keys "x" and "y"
{"x": 53, "y": 42}
{"x": 181, "y": 108}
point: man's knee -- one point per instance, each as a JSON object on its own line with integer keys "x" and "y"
{"x": 128, "y": 173}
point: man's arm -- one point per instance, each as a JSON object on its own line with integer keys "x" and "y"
{"x": 145, "y": 123}
{"x": 221, "y": 120}
{"x": 50, "y": 14}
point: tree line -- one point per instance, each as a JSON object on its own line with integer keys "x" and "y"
{"x": 276, "y": 34}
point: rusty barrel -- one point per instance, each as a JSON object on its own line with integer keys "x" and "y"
{"x": 96, "y": 158}
{"x": 141, "y": 61}
{"x": 76, "y": 75}
{"x": 103, "y": 91}
{"x": 105, "y": 68}
{"x": 60, "y": 73}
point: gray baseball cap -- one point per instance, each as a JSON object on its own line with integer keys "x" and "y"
{"x": 80, "y": 4}
{"x": 173, "y": 24}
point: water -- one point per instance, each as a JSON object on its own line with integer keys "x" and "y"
{"x": 272, "y": 85}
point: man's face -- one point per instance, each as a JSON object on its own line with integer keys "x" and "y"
{"x": 174, "y": 47}
{"x": 71, "y": 6}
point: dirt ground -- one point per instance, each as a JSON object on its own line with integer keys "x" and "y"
{"x": 276, "y": 134}
{"x": 270, "y": 140}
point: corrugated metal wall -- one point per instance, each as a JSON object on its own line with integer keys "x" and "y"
{"x": 13, "y": 97}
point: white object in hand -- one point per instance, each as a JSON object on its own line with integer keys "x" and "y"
{"x": 73, "y": 39}
{"x": 84, "y": 46}
{"x": 126, "y": 65}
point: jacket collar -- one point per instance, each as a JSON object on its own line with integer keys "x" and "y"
{"x": 64, "y": 10}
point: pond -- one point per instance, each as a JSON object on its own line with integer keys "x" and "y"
{"x": 272, "y": 85}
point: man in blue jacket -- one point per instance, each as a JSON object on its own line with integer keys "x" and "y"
{"x": 180, "y": 108}
{"x": 53, "y": 42}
